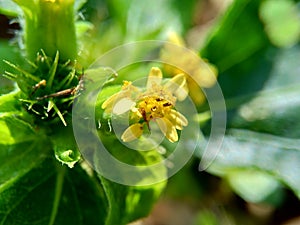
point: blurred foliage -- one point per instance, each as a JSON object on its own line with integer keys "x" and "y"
{"x": 254, "y": 44}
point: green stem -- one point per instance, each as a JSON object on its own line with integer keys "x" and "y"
{"x": 49, "y": 25}
{"x": 57, "y": 195}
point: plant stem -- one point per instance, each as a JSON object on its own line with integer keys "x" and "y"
{"x": 49, "y": 25}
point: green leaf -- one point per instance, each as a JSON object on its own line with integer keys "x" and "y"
{"x": 276, "y": 108}
{"x": 186, "y": 15}
{"x": 64, "y": 145}
{"x": 128, "y": 203}
{"x": 156, "y": 19}
{"x": 251, "y": 157}
{"x": 104, "y": 95}
{"x": 82, "y": 27}
{"x": 35, "y": 189}
{"x": 9, "y": 53}
{"x": 15, "y": 130}
{"x": 274, "y": 155}
{"x": 78, "y": 4}
{"x": 282, "y": 22}
{"x": 242, "y": 182}
{"x": 238, "y": 47}
{"x": 241, "y": 18}
{"x": 48, "y": 193}
{"x": 16, "y": 143}
{"x": 128, "y": 195}
{"x": 10, "y": 102}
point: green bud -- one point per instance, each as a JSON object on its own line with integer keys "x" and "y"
{"x": 49, "y": 25}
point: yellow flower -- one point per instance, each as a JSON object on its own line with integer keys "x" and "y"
{"x": 204, "y": 73}
{"x": 156, "y": 103}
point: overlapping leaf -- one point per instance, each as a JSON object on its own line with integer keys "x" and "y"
{"x": 262, "y": 84}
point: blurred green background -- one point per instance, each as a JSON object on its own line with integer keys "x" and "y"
{"x": 254, "y": 45}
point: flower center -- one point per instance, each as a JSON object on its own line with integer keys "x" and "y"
{"x": 152, "y": 107}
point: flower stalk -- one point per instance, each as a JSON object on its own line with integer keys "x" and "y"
{"x": 49, "y": 25}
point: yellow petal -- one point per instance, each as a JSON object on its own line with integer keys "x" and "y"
{"x": 177, "y": 119}
{"x": 168, "y": 129}
{"x": 205, "y": 75}
{"x": 154, "y": 77}
{"x": 122, "y": 106}
{"x": 108, "y": 103}
{"x": 133, "y": 132}
{"x": 182, "y": 92}
{"x": 127, "y": 91}
{"x": 177, "y": 82}
{"x": 175, "y": 38}
{"x": 196, "y": 93}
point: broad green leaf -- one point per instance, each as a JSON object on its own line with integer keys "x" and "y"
{"x": 128, "y": 203}
{"x": 282, "y": 21}
{"x": 269, "y": 158}
{"x": 276, "y": 108}
{"x": 251, "y": 158}
{"x": 36, "y": 189}
{"x": 16, "y": 147}
{"x": 274, "y": 155}
{"x": 243, "y": 181}
{"x": 48, "y": 193}
{"x": 238, "y": 49}
{"x": 141, "y": 20}
{"x": 157, "y": 18}
{"x": 239, "y": 35}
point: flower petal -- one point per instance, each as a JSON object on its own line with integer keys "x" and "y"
{"x": 174, "y": 38}
{"x": 168, "y": 129}
{"x": 177, "y": 82}
{"x": 205, "y": 75}
{"x": 154, "y": 77}
{"x": 182, "y": 92}
{"x": 128, "y": 90}
{"x": 177, "y": 119}
{"x": 122, "y": 106}
{"x": 133, "y": 132}
{"x": 108, "y": 103}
